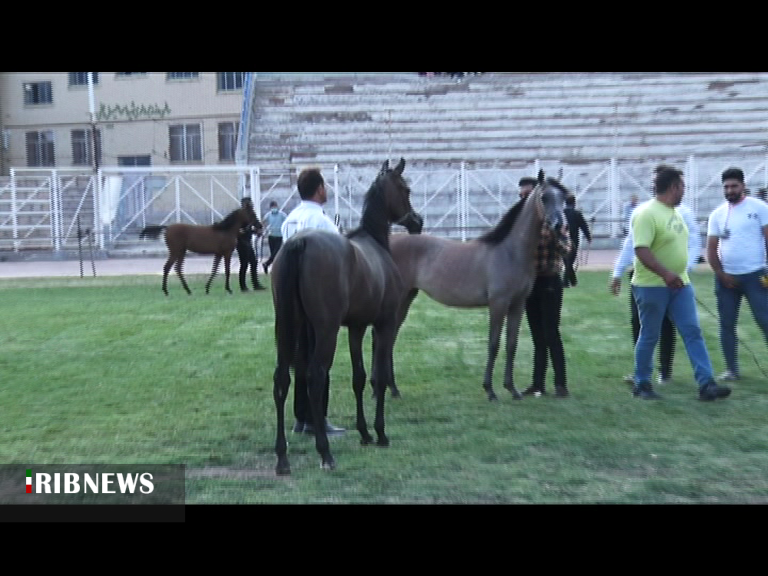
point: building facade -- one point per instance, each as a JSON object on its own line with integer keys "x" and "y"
{"x": 140, "y": 118}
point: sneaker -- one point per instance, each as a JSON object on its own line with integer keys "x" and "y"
{"x": 713, "y": 391}
{"x": 561, "y": 392}
{"x": 662, "y": 379}
{"x": 728, "y": 376}
{"x": 645, "y": 391}
{"x": 330, "y": 429}
{"x": 629, "y": 379}
{"x": 534, "y": 391}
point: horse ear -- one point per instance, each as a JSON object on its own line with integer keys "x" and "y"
{"x": 400, "y": 166}
{"x": 541, "y": 176}
{"x": 385, "y": 166}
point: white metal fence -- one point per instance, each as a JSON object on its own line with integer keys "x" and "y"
{"x": 43, "y": 208}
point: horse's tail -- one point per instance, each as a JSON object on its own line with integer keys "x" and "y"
{"x": 289, "y": 312}
{"x": 152, "y": 231}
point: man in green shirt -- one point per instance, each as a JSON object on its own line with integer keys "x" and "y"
{"x": 661, "y": 286}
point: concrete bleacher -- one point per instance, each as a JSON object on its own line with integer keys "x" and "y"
{"x": 510, "y": 122}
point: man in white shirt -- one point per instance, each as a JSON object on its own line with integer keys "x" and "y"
{"x": 309, "y": 214}
{"x": 668, "y": 333}
{"x": 737, "y": 243}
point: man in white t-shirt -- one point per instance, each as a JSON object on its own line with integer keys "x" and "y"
{"x": 309, "y": 214}
{"x": 737, "y": 243}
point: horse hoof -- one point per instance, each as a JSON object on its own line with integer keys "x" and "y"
{"x": 492, "y": 397}
{"x": 366, "y": 440}
{"x": 395, "y": 393}
{"x": 383, "y": 441}
{"x": 283, "y": 469}
{"x": 516, "y": 395}
{"x": 329, "y": 464}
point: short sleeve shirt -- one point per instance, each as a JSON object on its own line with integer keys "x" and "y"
{"x": 740, "y": 229}
{"x": 663, "y": 230}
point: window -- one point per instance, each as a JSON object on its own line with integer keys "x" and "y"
{"x": 81, "y": 78}
{"x": 182, "y": 75}
{"x": 229, "y": 80}
{"x": 186, "y": 143}
{"x": 40, "y": 149}
{"x": 38, "y": 93}
{"x": 228, "y": 140}
{"x": 82, "y": 146}
{"x": 134, "y": 160}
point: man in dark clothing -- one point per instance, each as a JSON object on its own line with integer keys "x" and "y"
{"x": 576, "y": 224}
{"x": 246, "y": 254}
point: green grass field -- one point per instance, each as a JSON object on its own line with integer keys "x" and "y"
{"x": 109, "y": 371}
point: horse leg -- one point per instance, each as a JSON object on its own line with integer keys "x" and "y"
{"x": 180, "y": 272}
{"x": 282, "y": 382}
{"x": 356, "y": 335}
{"x": 214, "y": 270}
{"x": 402, "y": 313}
{"x": 383, "y": 375}
{"x": 320, "y": 361}
{"x": 496, "y": 319}
{"x": 226, "y": 272}
{"x": 514, "y": 316}
{"x": 166, "y": 269}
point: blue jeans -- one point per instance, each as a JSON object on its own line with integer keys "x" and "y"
{"x": 653, "y": 303}
{"x": 728, "y": 303}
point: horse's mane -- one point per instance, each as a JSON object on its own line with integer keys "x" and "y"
{"x": 227, "y": 222}
{"x": 557, "y": 184}
{"x": 373, "y": 210}
{"x": 497, "y": 234}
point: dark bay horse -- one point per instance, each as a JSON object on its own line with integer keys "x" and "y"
{"x": 218, "y": 239}
{"x": 322, "y": 281}
{"x": 496, "y": 270}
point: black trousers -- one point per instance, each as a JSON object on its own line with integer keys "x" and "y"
{"x": 275, "y": 243}
{"x": 569, "y": 276}
{"x": 543, "y": 309}
{"x": 666, "y": 340}
{"x": 301, "y": 406}
{"x": 247, "y": 258}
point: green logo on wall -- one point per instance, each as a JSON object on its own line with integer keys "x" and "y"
{"x": 132, "y": 111}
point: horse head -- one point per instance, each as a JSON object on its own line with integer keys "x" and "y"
{"x": 551, "y": 195}
{"x": 398, "y": 198}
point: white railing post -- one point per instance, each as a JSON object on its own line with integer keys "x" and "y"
{"x": 96, "y": 190}
{"x": 614, "y": 199}
{"x": 336, "y": 192}
{"x": 464, "y": 195}
{"x": 178, "y": 198}
{"x": 14, "y": 212}
{"x": 55, "y": 209}
{"x": 255, "y": 179}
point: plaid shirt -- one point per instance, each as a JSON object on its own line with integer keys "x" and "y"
{"x": 551, "y": 250}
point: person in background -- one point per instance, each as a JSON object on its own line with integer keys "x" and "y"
{"x": 661, "y": 286}
{"x": 576, "y": 225}
{"x": 737, "y": 244}
{"x": 526, "y": 186}
{"x": 629, "y": 207}
{"x": 246, "y": 254}
{"x": 274, "y": 223}
{"x": 309, "y": 214}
